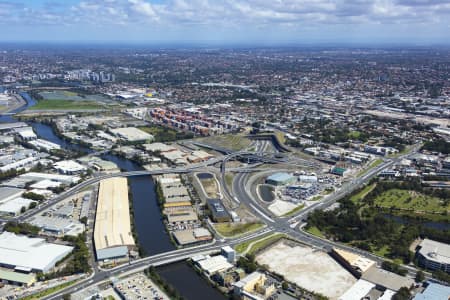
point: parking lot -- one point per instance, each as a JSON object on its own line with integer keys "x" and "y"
{"x": 139, "y": 287}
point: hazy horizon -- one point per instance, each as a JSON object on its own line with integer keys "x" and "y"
{"x": 227, "y": 22}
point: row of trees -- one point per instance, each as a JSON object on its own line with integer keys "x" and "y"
{"x": 77, "y": 262}
{"x": 21, "y": 228}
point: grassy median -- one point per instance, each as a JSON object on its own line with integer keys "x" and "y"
{"x": 232, "y": 229}
{"x": 254, "y": 245}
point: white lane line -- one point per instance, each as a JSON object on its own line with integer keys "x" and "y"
{"x": 262, "y": 214}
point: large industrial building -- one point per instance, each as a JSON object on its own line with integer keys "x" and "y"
{"x": 434, "y": 255}
{"x": 112, "y": 232}
{"x": 280, "y": 179}
{"x": 29, "y": 254}
{"x": 132, "y": 134}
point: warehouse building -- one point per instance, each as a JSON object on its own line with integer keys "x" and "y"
{"x": 192, "y": 236}
{"x": 9, "y": 193}
{"x": 69, "y": 167}
{"x": 29, "y": 254}
{"x": 387, "y": 280}
{"x": 16, "y": 278}
{"x": 58, "y": 226}
{"x": 14, "y": 207}
{"x": 112, "y": 232}
{"x": 280, "y": 179}
{"x": 132, "y": 134}
{"x": 434, "y": 255}
{"x": 212, "y": 265}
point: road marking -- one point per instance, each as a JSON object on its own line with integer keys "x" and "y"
{"x": 262, "y": 214}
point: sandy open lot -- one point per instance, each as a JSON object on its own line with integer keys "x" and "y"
{"x": 311, "y": 269}
{"x": 280, "y": 207}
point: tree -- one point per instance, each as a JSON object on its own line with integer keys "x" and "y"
{"x": 420, "y": 276}
{"x": 402, "y": 294}
{"x": 23, "y": 209}
{"x": 33, "y": 196}
{"x": 33, "y": 205}
{"x": 84, "y": 220}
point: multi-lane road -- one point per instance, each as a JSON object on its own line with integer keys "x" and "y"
{"x": 240, "y": 194}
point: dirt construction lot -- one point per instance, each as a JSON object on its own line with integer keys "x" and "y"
{"x": 311, "y": 269}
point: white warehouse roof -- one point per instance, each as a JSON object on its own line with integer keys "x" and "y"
{"x": 31, "y": 253}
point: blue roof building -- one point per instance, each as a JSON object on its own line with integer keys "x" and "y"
{"x": 280, "y": 179}
{"x": 434, "y": 291}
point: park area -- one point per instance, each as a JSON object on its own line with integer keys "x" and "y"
{"x": 411, "y": 200}
{"x": 67, "y": 100}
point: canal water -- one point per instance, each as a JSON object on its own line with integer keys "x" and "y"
{"x": 428, "y": 224}
{"x": 152, "y": 235}
{"x": 190, "y": 285}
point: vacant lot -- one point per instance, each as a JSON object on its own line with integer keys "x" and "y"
{"x": 280, "y": 207}
{"x": 405, "y": 199}
{"x": 311, "y": 269}
{"x": 232, "y": 142}
{"x": 210, "y": 187}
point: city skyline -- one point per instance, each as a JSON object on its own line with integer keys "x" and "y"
{"x": 227, "y": 22}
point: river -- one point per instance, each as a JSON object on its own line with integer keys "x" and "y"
{"x": 152, "y": 235}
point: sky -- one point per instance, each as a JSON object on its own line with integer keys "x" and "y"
{"x": 247, "y": 22}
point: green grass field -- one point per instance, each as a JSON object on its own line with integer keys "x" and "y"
{"x": 259, "y": 243}
{"x": 315, "y": 231}
{"x": 66, "y": 105}
{"x": 354, "y": 135}
{"x": 404, "y": 199}
{"x": 49, "y": 291}
{"x": 362, "y": 193}
{"x": 230, "y": 230}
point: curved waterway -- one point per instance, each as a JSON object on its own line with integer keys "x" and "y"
{"x": 152, "y": 235}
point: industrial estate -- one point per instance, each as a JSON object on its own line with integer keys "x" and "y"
{"x": 276, "y": 174}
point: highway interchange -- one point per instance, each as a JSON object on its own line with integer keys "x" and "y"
{"x": 240, "y": 194}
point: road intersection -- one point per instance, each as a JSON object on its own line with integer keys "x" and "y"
{"x": 240, "y": 194}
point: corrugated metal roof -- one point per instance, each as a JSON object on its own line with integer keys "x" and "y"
{"x": 17, "y": 277}
{"x": 280, "y": 177}
{"x": 110, "y": 253}
{"x": 434, "y": 291}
